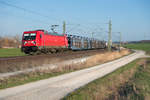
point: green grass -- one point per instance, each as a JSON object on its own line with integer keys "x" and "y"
{"x": 137, "y": 87}
{"x": 27, "y": 78}
{"x": 11, "y": 52}
{"x": 141, "y": 81}
{"x": 96, "y": 89}
{"x": 139, "y": 46}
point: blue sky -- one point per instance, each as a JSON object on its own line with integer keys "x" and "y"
{"x": 131, "y": 17}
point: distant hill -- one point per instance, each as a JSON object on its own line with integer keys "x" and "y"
{"x": 145, "y": 41}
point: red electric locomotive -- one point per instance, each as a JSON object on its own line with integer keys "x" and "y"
{"x": 43, "y": 41}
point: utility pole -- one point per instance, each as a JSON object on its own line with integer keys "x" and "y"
{"x": 92, "y": 34}
{"x": 109, "y": 36}
{"x": 64, "y": 27}
{"x": 120, "y": 38}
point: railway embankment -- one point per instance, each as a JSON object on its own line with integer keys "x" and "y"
{"x": 9, "y": 79}
{"x": 131, "y": 82}
{"x": 12, "y": 64}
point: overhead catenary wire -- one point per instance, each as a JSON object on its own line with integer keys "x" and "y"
{"x": 27, "y": 10}
{"x": 73, "y": 28}
{"x": 37, "y": 20}
{"x": 88, "y": 30}
{"x": 84, "y": 29}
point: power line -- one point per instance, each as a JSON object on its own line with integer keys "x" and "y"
{"x": 24, "y": 9}
{"x": 87, "y": 29}
{"x": 73, "y": 28}
{"x": 28, "y": 18}
{"x": 39, "y": 14}
{"x": 110, "y": 36}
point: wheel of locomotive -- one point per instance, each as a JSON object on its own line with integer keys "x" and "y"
{"x": 27, "y": 52}
{"x": 49, "y": 51}
{"x": 44, "y": 51}
{"x": 53, "y": 50}
{"x": 38, "y": 52}
{"x": 57, "y": 50}
{"x": 60, "y": 50}
{"x": 31, "y": 53}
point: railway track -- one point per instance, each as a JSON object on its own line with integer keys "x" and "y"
{"x": 52, "y": 55}
{"x": 22, "y": 62}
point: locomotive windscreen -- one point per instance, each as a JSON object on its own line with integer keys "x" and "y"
{"x": 29, "y": 36}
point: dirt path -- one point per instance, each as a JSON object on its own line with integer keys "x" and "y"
{"x": 57, "y": 87}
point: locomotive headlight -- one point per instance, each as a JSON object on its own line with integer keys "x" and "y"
{"x": 33, "y": 42}
{"x": 25, "y": 42}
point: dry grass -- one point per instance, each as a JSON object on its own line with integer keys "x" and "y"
{"x": 107, "y": 56}
{"x": 15, "y": 64}
{"x": 131, "y": 82}
{"x": 102, "y": 88}
{"x": 138, "y": 86}
{"x": 43, "y": 74}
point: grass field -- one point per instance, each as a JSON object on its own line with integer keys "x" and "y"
{"x": 139, "y": 46}
{"x": 131, "y": 82}
{"x": 11, "y": 52}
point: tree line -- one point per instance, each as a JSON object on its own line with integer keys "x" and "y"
{"x": 10, "y": 42}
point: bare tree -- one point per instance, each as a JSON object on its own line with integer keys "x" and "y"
{"x": 17, "y": 40}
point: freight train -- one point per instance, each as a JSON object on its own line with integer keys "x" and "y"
{"x": 52, "y": 42}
